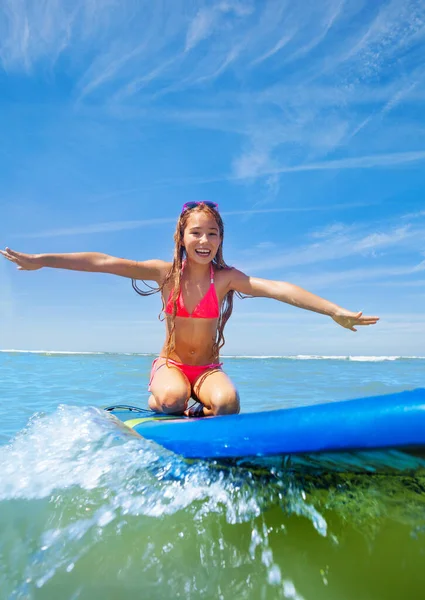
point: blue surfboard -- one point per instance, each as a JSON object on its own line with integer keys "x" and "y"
{"x": 377, "y": 433}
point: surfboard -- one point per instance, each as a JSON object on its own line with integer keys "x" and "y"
{"x": 375, "y": 433}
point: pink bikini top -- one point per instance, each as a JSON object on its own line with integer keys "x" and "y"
{"x": 207, "y": 308}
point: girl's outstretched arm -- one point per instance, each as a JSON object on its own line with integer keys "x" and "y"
{"x": 297, "y": 296}
{"x": 93, "y": 262}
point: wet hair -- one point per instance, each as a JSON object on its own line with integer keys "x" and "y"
{"x": 174, "y": 276}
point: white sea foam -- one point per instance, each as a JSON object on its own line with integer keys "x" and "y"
{"x": 326, "y": 357}
{"x": 49, "y": 352}
{"x": 77, "y": 352}
{"x": 94, "y": 478}
{"x": 230, "y": 356}
{"x": 374, "y": 358}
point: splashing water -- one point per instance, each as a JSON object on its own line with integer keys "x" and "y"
{"x": 87, "y": 507}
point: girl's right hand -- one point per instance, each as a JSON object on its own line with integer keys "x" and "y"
{"x": 25, "y": 262}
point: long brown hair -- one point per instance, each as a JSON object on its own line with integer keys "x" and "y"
{"x": 174, "y": 276}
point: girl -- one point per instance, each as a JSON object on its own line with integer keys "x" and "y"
{"x": 197, "y": 291}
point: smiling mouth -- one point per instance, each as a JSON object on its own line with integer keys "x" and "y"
{"x": 203, "y": 253}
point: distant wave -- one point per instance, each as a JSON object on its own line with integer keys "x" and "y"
{"x": 49, "y": 352}
{"x": 239, "y": 357}
{"x": 319, "y": 357}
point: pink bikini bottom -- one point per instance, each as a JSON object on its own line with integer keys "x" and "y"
{"x": 192, "y": 372}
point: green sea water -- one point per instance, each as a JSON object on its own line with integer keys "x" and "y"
{"x": 89, "y": 512}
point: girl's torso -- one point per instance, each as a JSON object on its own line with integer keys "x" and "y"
{"x": 198, "y": 308}
{"x": 207, "y": 307}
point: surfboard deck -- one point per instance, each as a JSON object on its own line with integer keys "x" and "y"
{"x": 376, "y": 433}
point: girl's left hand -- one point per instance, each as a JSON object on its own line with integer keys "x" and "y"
{"x": 348, "y": 319}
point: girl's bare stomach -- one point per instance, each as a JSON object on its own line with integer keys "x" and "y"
{"x": 194, "y": 341}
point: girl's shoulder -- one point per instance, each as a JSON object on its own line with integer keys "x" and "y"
{"x": 164, "y": 268}
{"x": 224, "y": 276}
{"x": 152, "y": 270}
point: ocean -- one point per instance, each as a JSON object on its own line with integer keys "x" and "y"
{"x": 89, "y": 512}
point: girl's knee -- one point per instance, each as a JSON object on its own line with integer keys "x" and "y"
{"x": 169, "y": 400}
{"x": 225, "y": 402}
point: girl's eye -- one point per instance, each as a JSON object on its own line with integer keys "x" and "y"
{"x": 198, "y": 233}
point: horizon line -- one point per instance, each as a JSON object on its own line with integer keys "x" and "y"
{"x": 358, "y": 357}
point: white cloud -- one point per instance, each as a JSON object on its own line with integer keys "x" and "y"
{"x": 281, "y": 43}
{"x": 97, "y": 228}
{"x": 201, "y": 27}
{"x": 341, "y": 243}
{"x": 326, "y": 21}
{"x": 138, "y": 83}
{"x": 106, "y": 227}
{"x": 330, "y": 230}
{"x": 369, "y": 47}
{"x": 377, "y": 240}
{"x": 365, "y": 274}
{"x": 252, "y": 164}
{"x": 128, "y": 57}
{"x": 208, "y": 20}
{"x": 129, "y": 44}
{"x": 359, "y": 162}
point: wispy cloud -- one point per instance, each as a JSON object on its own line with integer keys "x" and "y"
{"x": 293, "y": 209}
{"x": 207, "y": 20}
{"x": 120, "y": 40}
{"x": 360, "y": 162}
{"x": 400, "y": 95}
{"x": 417, "y": 283}
{"x": 370, "y": 46}
{"x": 201, "y": 27}
{"x": 162, "y": 43}
{"x": 107, "y": 227}
{"x": 109, "y": 67}
{"x": 341, "y": 243}
{"x": 138, "y": 83}
{"x": 361, "y": 275}
{"x": 236, "y": 96}
{"x": 414, "y": 215}
{"x": 332, "y": 11}
{"x": 281, "y": 43}
{"x": 135, "y": 60}
{"x": 95, "y": 228}
{"x": 32, "y": 31}
{"x": 254, "y": 166}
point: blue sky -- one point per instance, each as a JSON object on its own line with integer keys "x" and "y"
{"x": 303, "y": 120}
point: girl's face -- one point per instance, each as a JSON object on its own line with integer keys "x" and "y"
{"x": 201, "y": 237}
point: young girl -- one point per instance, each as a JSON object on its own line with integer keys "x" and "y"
{"x": 197, "y": 291}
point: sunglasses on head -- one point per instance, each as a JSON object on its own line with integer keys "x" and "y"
{"x": 189, "y": 205}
